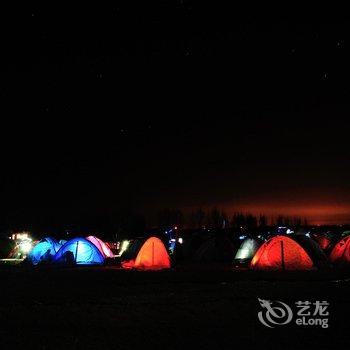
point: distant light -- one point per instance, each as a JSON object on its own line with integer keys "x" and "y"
{"x": 307, "y": 235}
{"x": 21, "y": 236}
{"x": 175, "y": 228}
{"x": 242, "y": 237}
{"x": 173, "y": 240}
{"x": 180, "y": 240}
{"x": 289, "y": 231}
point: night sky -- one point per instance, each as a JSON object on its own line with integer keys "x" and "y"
{"x": 173, "y": 104}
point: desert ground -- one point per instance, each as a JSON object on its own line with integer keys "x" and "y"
{"x": 202, "y": 308}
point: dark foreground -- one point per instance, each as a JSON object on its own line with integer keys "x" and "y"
{"x": 107, "y": 308}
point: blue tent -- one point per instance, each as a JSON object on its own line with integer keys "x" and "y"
{"x": 79, "y": 251}
{"x": 45, "y": 250}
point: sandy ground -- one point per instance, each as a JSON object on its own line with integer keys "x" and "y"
{"x": 108, "y": 308}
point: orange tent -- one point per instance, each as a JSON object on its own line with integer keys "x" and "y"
{"x": 341, "y": 252}
{"x": 151, "y": 256}
{"x": 281, "y": 253}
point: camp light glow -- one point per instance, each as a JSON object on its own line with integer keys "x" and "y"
{"x": 26, "y": 247}
{"x": 124, "y": 247}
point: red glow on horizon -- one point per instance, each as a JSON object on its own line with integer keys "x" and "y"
{"x": 316, "y": 215}
{"x": 318, "y": 211}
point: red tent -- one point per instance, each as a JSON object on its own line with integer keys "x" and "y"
{"x": 341, "y": 252}
{"x": 151, "y": 256}
{"x": 322, "y": 240}
{"x": 281, "y": 253}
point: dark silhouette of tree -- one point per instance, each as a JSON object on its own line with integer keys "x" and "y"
{"x": 251, "y": 221}
{"x": 170, "y": 218}
{"x": 238, "y": 220}
{"x": 197, "y": 219}
{"x": 225, "y": 220}
{"x": 216, "y": 219}
{"x": 295, "y": 221}
{"x": 262, "y": 220}
{"x": 280, "y": 221}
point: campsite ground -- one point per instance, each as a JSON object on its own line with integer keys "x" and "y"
{"x": 97, "y": 308}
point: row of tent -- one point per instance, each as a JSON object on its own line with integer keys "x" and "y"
{"x": 278, "y": 253}
{"x": 91, "y": 250}
{"x": 292, "y": 253}
{"x": 285, "y": 252}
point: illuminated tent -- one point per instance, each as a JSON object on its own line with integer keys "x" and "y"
{"x": 151, "y": 256}
{"x": 102, "y": 246}
{"x": 341, "y": 252}
{"x": 44, "y": 251}
{"x": 216, "y": 249}
{"x": 79, "y": 251}
{"x": 323, "y": 240}
{"x": 281, "y": 253}
{"x": 247, "y": 250}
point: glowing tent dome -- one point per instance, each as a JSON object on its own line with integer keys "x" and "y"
{"x": 45, "y": 250}
{"x": 152, "y": 256}
{"x": 102, "y": 246}
{"x": 341, "y": 252}
{"x": 247, "y": 250}
{"x": 281, "y": 253}
{"x": 79, "y": 251}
